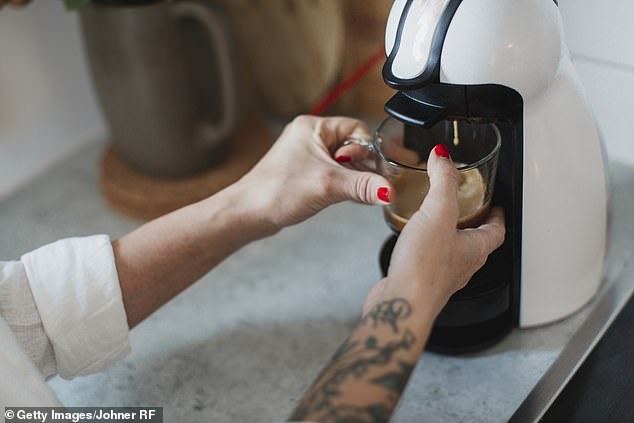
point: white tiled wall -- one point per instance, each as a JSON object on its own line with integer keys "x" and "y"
{"x": 47, "y": 108}
{"x": 611, "y": 91}
{"x": 600, "y": 35}
{"x": 601, "y": 29}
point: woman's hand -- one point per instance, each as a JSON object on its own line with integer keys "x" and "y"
{"x": 300, "y": 175}
{"x": 432, "y": 259}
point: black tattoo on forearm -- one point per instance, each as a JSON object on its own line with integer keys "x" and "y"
{"x": 389, "y": 312}
{"x": 354, "y": 360}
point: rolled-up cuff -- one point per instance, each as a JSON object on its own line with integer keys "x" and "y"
{"x": 76, "y": 290}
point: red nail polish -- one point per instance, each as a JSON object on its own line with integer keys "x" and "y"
{"x": 343, "y": 159}
{"x": 441, "y": 151}
{"x": 384, "y": 194}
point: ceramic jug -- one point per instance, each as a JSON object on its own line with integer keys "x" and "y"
{"x": 164, "y": 77}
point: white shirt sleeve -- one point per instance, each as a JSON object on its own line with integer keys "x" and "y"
{"x": 21, "y": 385}
{"x": 75, "y": 289}
{"x": 18, "y": 309}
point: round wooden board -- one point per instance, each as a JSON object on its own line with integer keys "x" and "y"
{"x": 146, "y": 197}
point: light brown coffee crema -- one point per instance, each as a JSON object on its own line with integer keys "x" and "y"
{"x": 412, "y": 187}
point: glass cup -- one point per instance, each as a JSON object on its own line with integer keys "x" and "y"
{"x": 400, "y": 153}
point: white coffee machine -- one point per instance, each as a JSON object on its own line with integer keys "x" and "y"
{"x": 505, "y": 61}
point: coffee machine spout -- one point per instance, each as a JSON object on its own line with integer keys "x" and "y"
{"x": 414, "y": 112}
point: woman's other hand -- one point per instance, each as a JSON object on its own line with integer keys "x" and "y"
{"x": 432, "y": 259}
{"x": 300, "y": 175}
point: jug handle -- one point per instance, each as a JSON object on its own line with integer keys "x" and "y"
{"x": 214, "y": 135}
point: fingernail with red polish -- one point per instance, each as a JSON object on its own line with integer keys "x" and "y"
{"x": 383, "y": 194}
{"x": 342, "y": 159}
{"x": 441, "y": 151}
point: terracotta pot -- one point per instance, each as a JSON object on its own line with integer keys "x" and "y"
{"x": 365, "y": 22}
{"x": 292, "y": 48}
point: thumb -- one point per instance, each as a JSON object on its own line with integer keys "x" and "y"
{"x": 442, "y": 198}
{"x": 364, "y": 187}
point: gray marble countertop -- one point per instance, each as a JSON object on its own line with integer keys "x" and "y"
{"x": 244, "y": 343}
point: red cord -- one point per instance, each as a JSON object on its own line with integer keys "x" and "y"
{"x": 348, "y": 83}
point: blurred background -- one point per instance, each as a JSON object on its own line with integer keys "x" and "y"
{"x": 49, "y": 108}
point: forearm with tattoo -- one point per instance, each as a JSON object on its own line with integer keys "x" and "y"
{"x": 364, "y": 380}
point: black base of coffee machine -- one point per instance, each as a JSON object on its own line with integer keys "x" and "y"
{"x": 475, "y": 317}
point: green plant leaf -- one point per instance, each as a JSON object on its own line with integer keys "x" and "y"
{"x": 75, "y": 4}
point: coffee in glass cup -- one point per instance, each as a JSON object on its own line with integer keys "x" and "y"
{"x": 399, "y": 149}
{"x": 411, "y": 189}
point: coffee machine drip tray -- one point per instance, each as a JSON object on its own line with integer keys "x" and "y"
{"x": 475, "y": 317}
